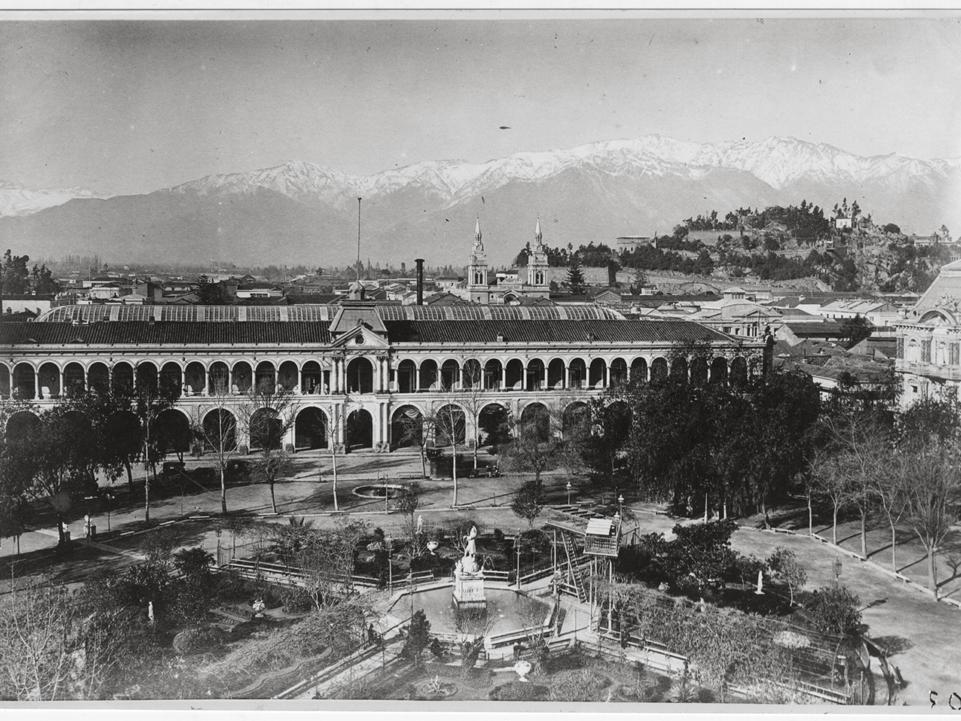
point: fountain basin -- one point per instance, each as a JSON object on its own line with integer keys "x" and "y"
{"x": 506, "y": 611}
{"x": 379, "y": 491}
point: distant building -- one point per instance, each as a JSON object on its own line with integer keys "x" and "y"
{"x": 33, "y": 304}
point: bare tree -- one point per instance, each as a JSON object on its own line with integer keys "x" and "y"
{"x": 268, "y": 414}
{"x": 49, "y": 649}
{"x": 449, "y": 422}
{"x": 931, "y": 498}
{"x": 471, "y": 398}
{"x": 327, "y": 560}
{"x": 889, "y": 489}
{"x": 220, "y": 435}
{"x": 832, "y": 480}
{"x": 417, "y": 430}
{"x": 529, "y": 451}
{"x": 338, "y": 424}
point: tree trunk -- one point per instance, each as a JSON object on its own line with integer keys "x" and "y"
{"x": 810, "y": 517}
{"x": 223, "y": 489}
{"x": 126, "y": 464}
{"x": 60, "y": 530}
{"x": 333, "y": 463}
{"x": 273, "y": 501}
{"x": 864, "y": 535}
{"x": 834, "y": 525}
{"x": 423, "y": 463}
{"x": 453, "y": 465}
{"x": 146, "y": 495}
{"x": 932, "y": 572}
{"x": 894, "y": 538}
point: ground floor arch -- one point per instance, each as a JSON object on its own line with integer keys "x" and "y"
{"x": 493, "y": 425}
{"x": 22, "y": 426}
{"x": 536, "y": 422}
{"x": 172, "y": 431}
{"x": 266, "y": 429}
{"x": 359, "y": 430}
{"x": 450, "y": 423}
{"x": 310, "y": 429}
{"x": 576, "y": 420}
{"x": 407, "y": 427}
{"x": 220, "y": 430}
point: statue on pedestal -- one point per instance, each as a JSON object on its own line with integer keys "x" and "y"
{"x": 468, "y": 564}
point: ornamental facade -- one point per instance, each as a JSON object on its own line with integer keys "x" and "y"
{"x": 358, "y": 372}
{"x": 928, "y": 358}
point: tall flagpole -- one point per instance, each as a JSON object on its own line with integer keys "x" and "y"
{"x": 358, "y": 238}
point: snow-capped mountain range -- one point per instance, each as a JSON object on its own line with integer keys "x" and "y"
{"x": 776, "y": 161}
{"x": 18, "y": 200}
{"x": 596, "y": 192}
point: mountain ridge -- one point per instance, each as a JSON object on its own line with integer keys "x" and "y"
{"x": 591, "y": 192}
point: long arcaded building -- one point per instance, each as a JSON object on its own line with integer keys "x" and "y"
{"x": 361, "y": 363}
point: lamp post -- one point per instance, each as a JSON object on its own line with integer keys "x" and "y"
{"x": 620, "y": 504}
{"x": 218, "y": 546}
{"x": 389, "y": 543}
{"x": 109, "y": 498}
{"x": 569, "y": 488}
{"x": 517, "y": 542}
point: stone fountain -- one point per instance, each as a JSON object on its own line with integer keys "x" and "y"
{"x": 468, "y": 593}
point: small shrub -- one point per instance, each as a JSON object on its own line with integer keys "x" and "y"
{"x": 296, "y": 600}
{"x": 519, "y": 691}
{"x": 194, "y": 640}
{"x": 579, "y": 685}
{"x": 834, "y": 609}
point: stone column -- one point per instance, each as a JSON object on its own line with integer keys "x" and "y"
{"x": 335, "y": 377}
{"x": 338, "y": 413}
{"x": 567, "y": 376}
{"x": 416, "y": 377}
{"x": 36, "y": 384}
{"x": 60, "y": 391}
{"x": 546, "y": 378}
{"x": 503, "y": 376}
{"x": 300, "y": 379}
{"x": 607, "y": 374}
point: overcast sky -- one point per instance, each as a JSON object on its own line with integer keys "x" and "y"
{"x": 128, "y": 107}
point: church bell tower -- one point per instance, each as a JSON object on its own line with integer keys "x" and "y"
{"x": 477, "y": 269}
{"x": 537, "y": 264}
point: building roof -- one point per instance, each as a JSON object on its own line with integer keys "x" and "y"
{"x": 188, "y": 313}
{"x": 311, "y": 324}
{"x": 944, "y": 291}
{"x": 554, "y": 331}
{"x": 165, "y": 333}
{"x": 825, "y": 329}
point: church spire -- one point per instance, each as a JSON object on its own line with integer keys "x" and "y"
{"x": 478, "y": 237}
{"x": 538, "y": 236}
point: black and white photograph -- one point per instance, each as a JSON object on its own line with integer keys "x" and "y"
{"x": 597, "y": 360}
